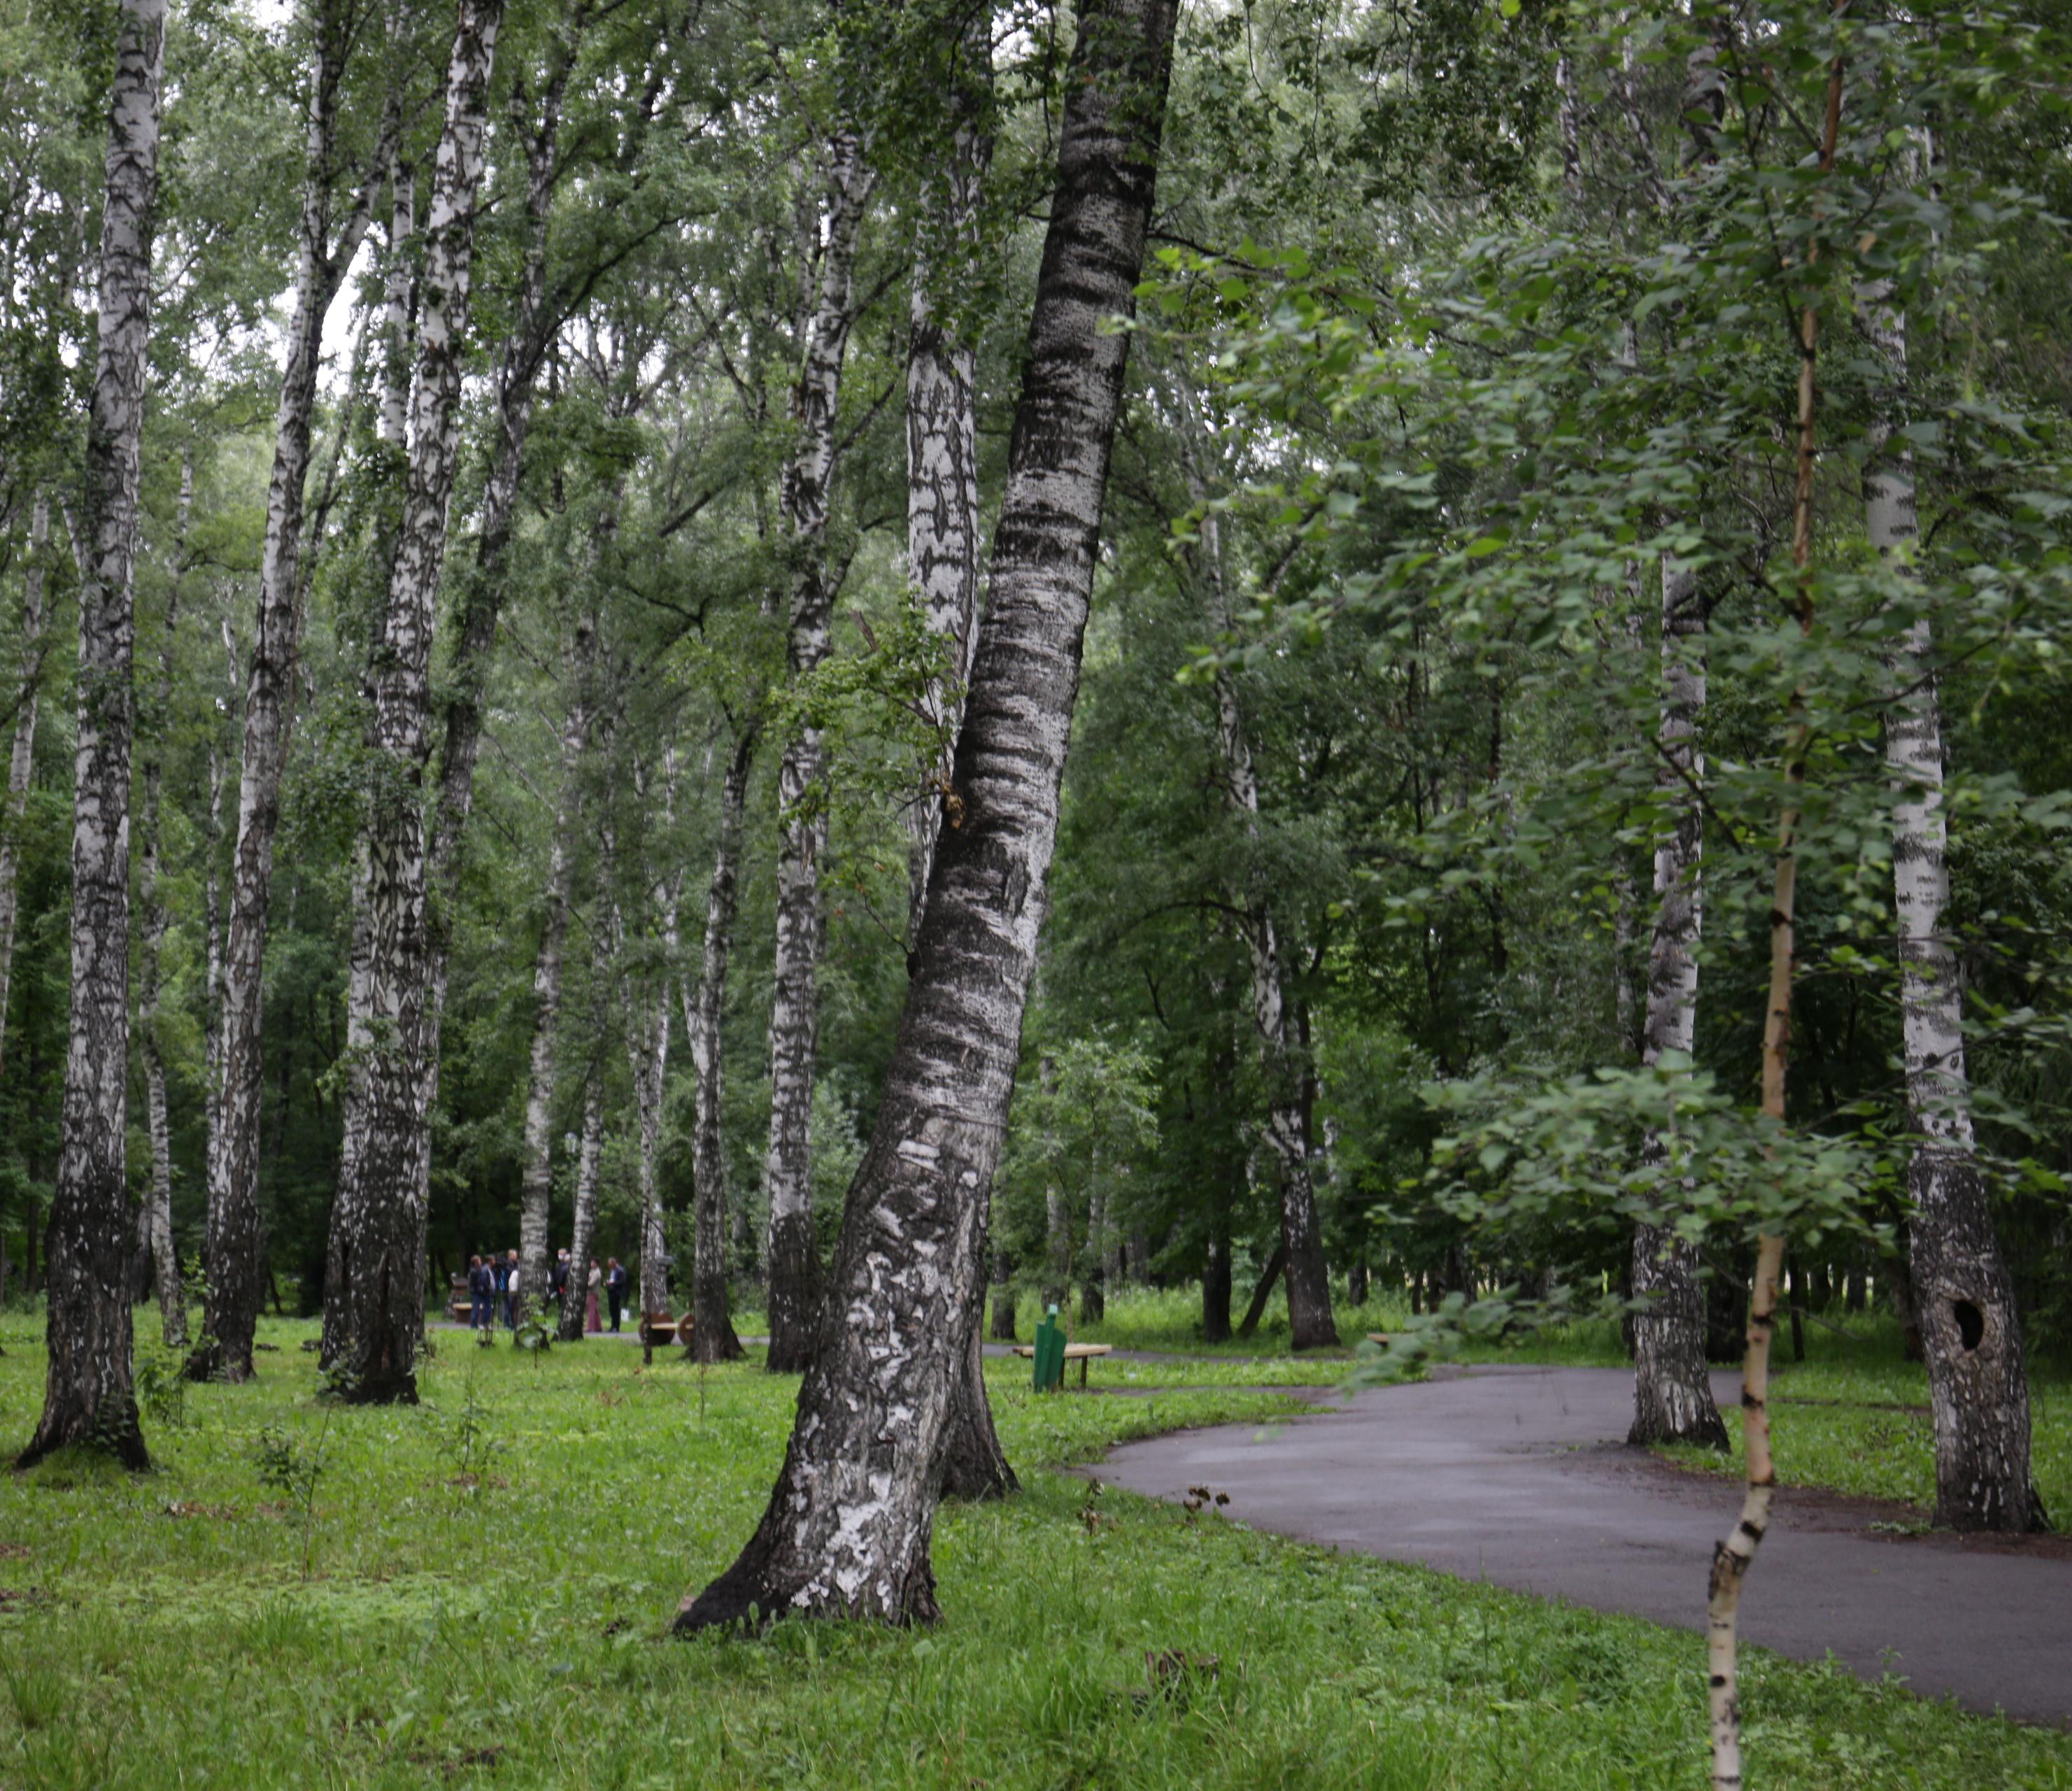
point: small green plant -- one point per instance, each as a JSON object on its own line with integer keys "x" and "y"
{"x": 534, "y": 1338}
{"x": 159, "y": 1379}
{"x": 474, "y": 1445}
{"x": 294, "y": 1469}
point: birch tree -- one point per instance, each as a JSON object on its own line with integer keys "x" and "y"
{"x": 327, "y": 244}
{"x": 21, "y": 749}
{"x": 1963, "y": 1299}
{"x": 87, "y": 1399}
{"x": 794, "y": 1256}
{"x": 847, "y": 1530}
{"x": 378, "y": 1295}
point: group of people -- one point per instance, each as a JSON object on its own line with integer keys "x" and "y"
{"x": 496, "y": 1290}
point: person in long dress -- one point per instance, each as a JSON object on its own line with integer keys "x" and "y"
{"x": 591, "y": 1321}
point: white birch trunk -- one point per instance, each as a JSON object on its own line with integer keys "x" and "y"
{"x": 1672, "y": 1389}
{"x": 236, "y": 1271}
{"x": 794, "y": 1257}
{"x": 1964, "y": 1297}
{"x": 380, "y": 1296}
{"x": 849, "y": 1526}
{"x": 88, "y": 1399}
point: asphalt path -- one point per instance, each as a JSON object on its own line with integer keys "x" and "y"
{"x": 1520, "y": 1476}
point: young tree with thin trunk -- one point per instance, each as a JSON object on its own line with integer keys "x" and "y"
{"x": 1733, "y": 1556}
{"x": 590, "y": 1150}
{"x": 808, "y": 476}
{"x": 1963, "y": 1298}
{"x": 713, "y": 1337}
{"x": 327, "y": 247}
{"x": 156, "y": 1225}
{"x": 87, "y": 1398}
{"x": 847, "y": 1530}
{"x": 379, "y": 1296}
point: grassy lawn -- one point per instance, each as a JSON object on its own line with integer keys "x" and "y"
{"x": 489, "y": 1577}
{"x": 1853, "y": 1416}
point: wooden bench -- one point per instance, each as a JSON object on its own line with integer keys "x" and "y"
{"x": 460, "y": 1311}
{"x": 1081, "y": 1353}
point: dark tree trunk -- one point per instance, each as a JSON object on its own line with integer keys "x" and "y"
{"x": 375, "y": 1310}
{"x": 1003, "y": 1298}
{"x": 1216, "y": 1282}
{"x": 713, "y": 1337}
{"x": 974, "y": 1465}
{"x": 849, "y": 1526}
{"x": 1726, "y": 1305}
{"x": 22, "y": 754}
{"x": 1255, "y": 1310}
{"x": 87, "y": 1398}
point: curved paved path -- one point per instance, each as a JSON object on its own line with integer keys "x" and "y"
{"x": 1519, "y": 1476}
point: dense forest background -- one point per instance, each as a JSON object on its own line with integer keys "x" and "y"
{"x": 1429, "y": 394}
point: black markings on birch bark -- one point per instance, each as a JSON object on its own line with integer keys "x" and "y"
{"x": 849, "y": 1525}
{"x": 374, "y": 1307}
{"x": 1964, "y": 1296}
{"x": 234, "y": 1240}
{"x": 794, "y": 1256}
{"x": 589, "y": 1152}
{"x": 87, "y": 1398}
{"x": 713, "y": 1338}
{"x": 647, "y": 1044}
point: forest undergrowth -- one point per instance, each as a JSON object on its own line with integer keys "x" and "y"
{"x": 475, "y": 1592}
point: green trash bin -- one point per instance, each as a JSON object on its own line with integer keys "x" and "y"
{"x": 1050, "y": 1357}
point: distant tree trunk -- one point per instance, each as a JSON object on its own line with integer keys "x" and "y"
{"x": 647, "y": 1056}
{"x": 536, "y": 1186}
{"x": 1964, "y": 1298}
{"x": 850, "y": 1524}
{"x": 1216, "y": 1281}
{"x": 1093, "y": 1260}
{"x": 1262, "y": 1291}
{"x": 380, "y": 1297}
{"x": 1003, "y": 1297}
{"x": 158, "y": 1215}
{"x": 801, "y": 926}
{"x": 22, "y": 755}
{"x": 1310, "y": 1323}
{"x": 87, "y": 1399}
{"x": 589, "y": 1156}
{"x": 1673, "y": 1391}
{"x": 233, "y": 1293}
{"x": 713, "y": 1338}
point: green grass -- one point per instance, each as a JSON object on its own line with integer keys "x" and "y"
{"x": 1853, "y": 1416}
{"x": 504, "y": 1627}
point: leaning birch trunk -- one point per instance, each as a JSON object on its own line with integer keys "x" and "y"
{"x": 794, "y": 1012}
{"x": 1733, "y": 1558}
{"x": 88, "y": 1399}
{"x": 589, "y": 1152}
{"x": 157, "y": 1227}
{"x": 379, "y": 1298}
{"x": 713, "y": 1337}
{"x": 1310, "y": 1323}
{"x": 847, "y": 1530}
{"x": 1964, "y": 1298}
{"x": 234, "y": 1288}
{"x": 1672, "y": 1388}
{"x": 942, "y": 559}
{"x": 22, "y": 754}
{"x": 536, "y": 1184}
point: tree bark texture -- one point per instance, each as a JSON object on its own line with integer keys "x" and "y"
{"x": 1963, "y": 1298}
{"x": 157, "y": 1225}
{"x": 22, "y": 752}
{"x": 589, "y": 1152}
{"x": 794, "y": 1256}
{"x": 849, "y": 1523}
{"x": 536, "y": 1186}
{"x": 713, "y": 1338}
{"x": 1672, "y": 1392}
{"x": 380, "y": 1294}
{"x": 232, "y": 1301}
{"x": 88, "y": 1399}
{"x": 648, "y": 1058}
{"x": 942, "y": 441}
